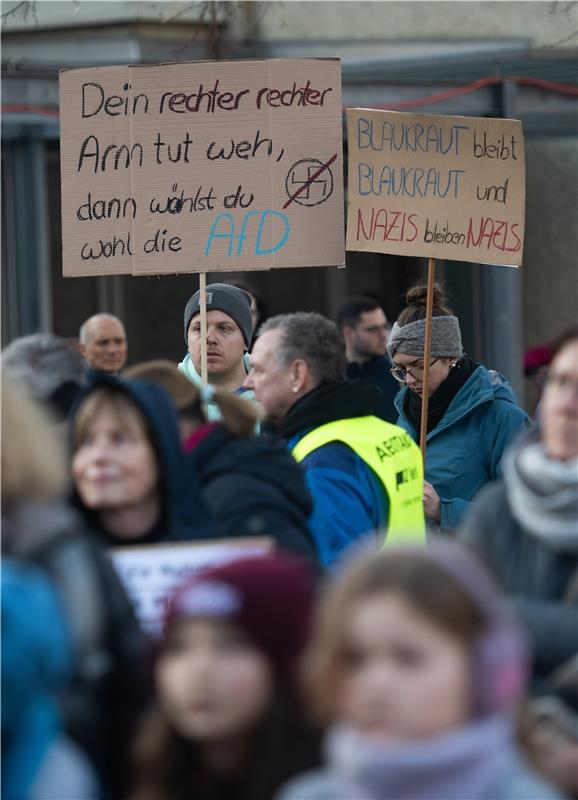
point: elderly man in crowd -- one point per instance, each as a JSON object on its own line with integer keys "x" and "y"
{"x": 364, "y": 474}
{"x": 102, "y": 340}
{"x": 48, "y": 368}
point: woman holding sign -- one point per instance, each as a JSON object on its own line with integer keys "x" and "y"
{"x": 473, "y": 413}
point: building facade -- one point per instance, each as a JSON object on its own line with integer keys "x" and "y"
{"x": 495, "y": 59}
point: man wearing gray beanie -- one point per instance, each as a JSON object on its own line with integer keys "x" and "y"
{"x": 229, "y": 331}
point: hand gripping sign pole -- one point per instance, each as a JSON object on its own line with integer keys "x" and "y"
{"x": 203, "y": 310}
{"x": 426, "y": 355}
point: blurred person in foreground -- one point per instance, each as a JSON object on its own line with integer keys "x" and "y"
{"x": 364, "y": 474}
{"x": 473, "y": 413}
{"x": 228, "y": 723}
{"x": 132, "y": 482}
{"x": 38, "y": 759}
{"x": 102, "y": 341}
{"x": 365, "y": 329}
{"x": 526, "y": 527}
{"x": 552, "y": 724}
{"x": 102, "y": 703}
{"x": 48, "y": 368}
{"x": 417, "y": 664}
{"x": 251, "y": 484}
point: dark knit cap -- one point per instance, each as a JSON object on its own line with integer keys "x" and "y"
{"x": 270, "y": 597}
{"x": 229, "y": 299}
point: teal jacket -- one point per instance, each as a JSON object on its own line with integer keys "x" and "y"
{"x": 213, "y": 414}
{"x": 465, "y": 449}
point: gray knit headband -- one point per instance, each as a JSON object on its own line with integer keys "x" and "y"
{"x": 446, "y": 338}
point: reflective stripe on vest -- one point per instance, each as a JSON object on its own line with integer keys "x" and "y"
{"x": 394, "y": 458}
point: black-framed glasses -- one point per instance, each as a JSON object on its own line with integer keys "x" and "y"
{"x": 415, "y": 370}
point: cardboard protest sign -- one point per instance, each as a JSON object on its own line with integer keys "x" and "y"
{"x": 436, "y": 186}
{"x": 150, "y": 573}
{"x": 201, "y": 166}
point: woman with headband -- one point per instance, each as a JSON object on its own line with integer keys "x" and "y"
{"x": 473, "y": 413}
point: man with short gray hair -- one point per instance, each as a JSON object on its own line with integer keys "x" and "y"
{"x": 46, "y": 367}
{"x": 365, "y": 474}
{"x": 102, "y": 341}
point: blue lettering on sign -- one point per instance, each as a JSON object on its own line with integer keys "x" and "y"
{"x": 223, "y": 227}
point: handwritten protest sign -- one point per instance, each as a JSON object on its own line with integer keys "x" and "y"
{"x": 150, "y": 573}
{"x": 436, "y": 186}
{"x": 202, "y": 166}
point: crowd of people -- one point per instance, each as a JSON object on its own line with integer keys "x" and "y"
{"x": 409, "y": 630}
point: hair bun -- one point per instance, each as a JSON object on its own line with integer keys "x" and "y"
{"x": 417, "y": 296}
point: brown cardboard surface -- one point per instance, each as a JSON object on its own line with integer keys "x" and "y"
{"x": 436, "y": 186}
{"x": 253, "y": 179}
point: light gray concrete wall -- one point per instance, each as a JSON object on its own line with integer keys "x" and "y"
{"x": 545, "y": 24}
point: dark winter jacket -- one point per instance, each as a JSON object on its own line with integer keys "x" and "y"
{"x": 103, "y": 703}
{"x": 253, "y": 487}
{"x": 376, "y": 372}
{"x": 465, "y": 449}
{"x": 539, "y": 579}
{"x": 185, "y": 515}
{"x": 349, "y": 501}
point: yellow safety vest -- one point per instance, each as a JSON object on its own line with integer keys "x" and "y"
{"x": 394, "y": 458}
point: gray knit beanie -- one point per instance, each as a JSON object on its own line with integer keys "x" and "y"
{"x": 446, "y": 338}
{"x": 229, "y": 299}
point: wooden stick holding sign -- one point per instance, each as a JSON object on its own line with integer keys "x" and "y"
{"x": 203, "y": 310}
{"x": 427, "y": 355}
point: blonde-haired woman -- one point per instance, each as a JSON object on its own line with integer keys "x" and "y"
{"x": 109, "y": 690}
{"x": 131, "y": 480}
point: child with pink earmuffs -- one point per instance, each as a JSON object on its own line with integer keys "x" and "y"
{"x": 417, "y": 667}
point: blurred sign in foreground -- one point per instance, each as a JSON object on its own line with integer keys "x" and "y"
{"x": 151, "y": 573}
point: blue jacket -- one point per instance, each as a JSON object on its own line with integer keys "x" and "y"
{"x": 349, "y": 501}
{"x": 465, "y": 449}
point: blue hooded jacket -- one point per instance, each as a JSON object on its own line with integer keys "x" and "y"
{"x": 185, "y": 515}
{"x": 465, "y": 449}
{"x": 36, "y": 661}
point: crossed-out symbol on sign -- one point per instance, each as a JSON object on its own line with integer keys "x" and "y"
{"x": 309, "y": 182}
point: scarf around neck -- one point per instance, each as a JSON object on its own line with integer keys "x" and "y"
{"x": 440, "y": 400}
{"x": 460, "y": 764}
{"x": 543, "y": 494}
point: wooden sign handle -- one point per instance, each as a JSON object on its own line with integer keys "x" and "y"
{"x": 427, "y": 355}
{"x": 203, "y": 310}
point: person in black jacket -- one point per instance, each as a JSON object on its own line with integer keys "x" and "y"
{"x": 365, "y": 329}
{"x": 251, "y": 484}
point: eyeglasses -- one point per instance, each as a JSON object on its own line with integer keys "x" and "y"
{"x": 416, "y": 371}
